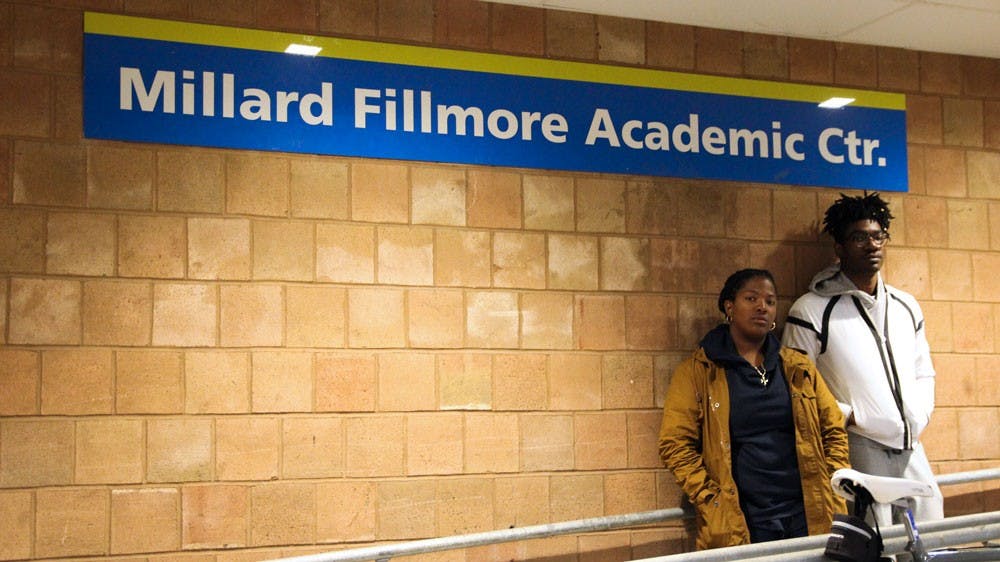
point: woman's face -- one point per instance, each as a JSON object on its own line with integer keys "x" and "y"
{"x": 753, "y": 310}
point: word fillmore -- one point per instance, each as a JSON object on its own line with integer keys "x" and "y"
{"x": 412, "y": 111}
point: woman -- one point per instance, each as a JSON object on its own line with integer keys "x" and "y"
{"x": 750, "y": 430}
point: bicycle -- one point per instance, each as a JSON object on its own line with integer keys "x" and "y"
{"x": 852, "y": 539}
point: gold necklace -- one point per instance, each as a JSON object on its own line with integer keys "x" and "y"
{"x": 762, "y": 371}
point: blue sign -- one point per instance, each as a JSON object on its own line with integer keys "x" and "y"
{"x": 191, "y": 84}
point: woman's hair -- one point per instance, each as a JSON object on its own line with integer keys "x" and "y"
{"x": 737, "y": 280}
{"x": 848, "y": 210}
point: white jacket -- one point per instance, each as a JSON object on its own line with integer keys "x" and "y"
{"x": 857, "y": 360}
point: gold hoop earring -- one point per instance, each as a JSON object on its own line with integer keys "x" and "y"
{"x": 729, "y": 319}
{"x": 773, "y": 326}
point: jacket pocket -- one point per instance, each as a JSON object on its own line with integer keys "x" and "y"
{"x": 718, "y": 529}
{"x": 886, "y": 428}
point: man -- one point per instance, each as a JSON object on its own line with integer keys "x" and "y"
{"x": 867, "y": 339}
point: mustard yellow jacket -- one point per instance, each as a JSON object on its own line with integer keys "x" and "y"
{"x": 695, "y": 445}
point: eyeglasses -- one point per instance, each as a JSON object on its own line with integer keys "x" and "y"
{"x": 859, "y": 238}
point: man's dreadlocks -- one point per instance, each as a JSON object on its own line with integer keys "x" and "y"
{"x": 848, "y": 210}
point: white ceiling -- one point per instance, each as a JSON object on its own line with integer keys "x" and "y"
{"x": 969, "y": 27}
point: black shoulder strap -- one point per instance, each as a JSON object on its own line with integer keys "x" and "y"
{"x": 800, "y": 322}
{"x": 891, "y": 374}
{"x": 823, "y": 333}
{"x": 913, "y": 318}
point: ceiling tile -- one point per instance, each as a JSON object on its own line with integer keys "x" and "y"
{"x": 969, "y": 27}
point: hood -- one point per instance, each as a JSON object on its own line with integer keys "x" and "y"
{"x": 720, "y": 349}
{"x": 831, "y": 282}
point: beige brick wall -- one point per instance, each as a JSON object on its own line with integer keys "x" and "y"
{"x": 224, "y": 356}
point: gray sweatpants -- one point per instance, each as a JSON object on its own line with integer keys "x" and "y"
{"x": 874, "y": 458}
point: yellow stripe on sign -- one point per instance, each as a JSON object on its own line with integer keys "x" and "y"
{"x": 433, "y": 57}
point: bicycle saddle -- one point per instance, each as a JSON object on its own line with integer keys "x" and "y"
{"x": 884, "y": 489}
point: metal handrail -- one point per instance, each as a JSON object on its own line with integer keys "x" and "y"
{"x": 960, "y": 529}
{"x": 966, "y": 477}
{"x": 383, "y": 553}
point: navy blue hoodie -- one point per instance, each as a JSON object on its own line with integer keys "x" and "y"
{"x": 765, "y": 465}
